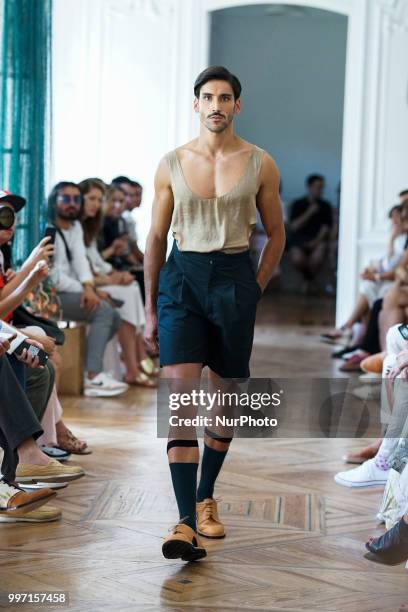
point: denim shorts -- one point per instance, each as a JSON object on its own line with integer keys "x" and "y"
{"x": 206, "y": 310}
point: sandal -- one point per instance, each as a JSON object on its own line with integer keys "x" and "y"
{"x": 149, "y": 367}
{"x": 70, "y": 443}
{"x": 390, "y": 548}
{"x": 142, "y": 380}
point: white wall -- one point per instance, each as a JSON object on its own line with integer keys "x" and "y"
{"x": 292, "y": 67}
{"x": 112, "y": 79}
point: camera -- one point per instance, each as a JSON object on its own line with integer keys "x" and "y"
{"x": 7, "y": 217}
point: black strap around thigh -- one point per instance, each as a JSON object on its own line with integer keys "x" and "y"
{"x": 178, "y": 443}
{"x": 214, "y": 436}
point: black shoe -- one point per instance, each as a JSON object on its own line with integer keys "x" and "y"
{"x": 390, "y": 548}
{"x": 346, "y": 349}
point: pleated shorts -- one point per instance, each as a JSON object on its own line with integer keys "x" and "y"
{"x": 206, "y": 310}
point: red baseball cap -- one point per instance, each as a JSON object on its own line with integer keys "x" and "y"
{"x": 16, "y": 201}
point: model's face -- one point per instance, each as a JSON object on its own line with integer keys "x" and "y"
{"x": 68, "y": 203}
{"x": 116, "y": 204}
{"x": 7, "y": 234}
{"x": 316, "y": 189}
{"x": 92, "y": 202}
{"x": 216, "y": 106}
{"x": 136, "y": 194}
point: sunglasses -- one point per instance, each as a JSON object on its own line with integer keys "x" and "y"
{"x": 67, "y": 199}
{"x": 7, "y": 217}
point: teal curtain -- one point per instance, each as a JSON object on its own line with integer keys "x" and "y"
{"x": 25, "y": 111}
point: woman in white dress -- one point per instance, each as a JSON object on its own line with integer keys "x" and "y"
{"x": 116, "y": 285}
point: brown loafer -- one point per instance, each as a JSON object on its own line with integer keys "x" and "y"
{"x": 366, "y": 453}
{"x": 183, "y": 543}
{"x": 13, "y": 499}
{"x": 208, "y": 522}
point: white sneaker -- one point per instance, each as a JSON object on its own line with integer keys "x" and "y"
{"x": 103, "y": 385}
{"x": 365, "y": 475}
{"x": 366, "y": 392}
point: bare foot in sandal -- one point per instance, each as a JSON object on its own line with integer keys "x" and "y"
{"x": 68, "y": 442}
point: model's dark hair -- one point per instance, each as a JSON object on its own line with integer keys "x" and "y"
{"x": 312, "y": 178}
{"x": 402, "y": 193}
{"x": 217, "y": 73}
{"x": 121, "y": 179}
{"x": 393, "y": 209}
{"x": 52, "y": 198}
{"x": 91, "y": 226}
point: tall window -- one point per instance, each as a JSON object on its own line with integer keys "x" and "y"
{"x": 25, "y": 59}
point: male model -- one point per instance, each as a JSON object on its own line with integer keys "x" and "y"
{"x": 203, "y": 306}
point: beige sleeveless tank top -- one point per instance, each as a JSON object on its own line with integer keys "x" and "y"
{"x": 215, "y": 224}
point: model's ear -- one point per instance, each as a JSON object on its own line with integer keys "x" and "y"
{"x": 196, "y": 105}
{"x": 237, "y": 107}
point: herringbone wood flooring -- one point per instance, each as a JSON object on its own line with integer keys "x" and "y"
{"x": 295, "y": 539}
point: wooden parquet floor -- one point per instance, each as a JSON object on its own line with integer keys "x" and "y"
{"x": 295, "y": 539}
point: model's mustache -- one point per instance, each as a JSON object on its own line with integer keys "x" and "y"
{"x": 216, "y": 115}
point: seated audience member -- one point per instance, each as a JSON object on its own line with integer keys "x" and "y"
{"x": 375, "y": 471}
{"x": 379, "y": 277}
{"x": 310, "y": 225}
{"x": 73, "y": 279}
{"x": 18, "y": 430}
{"x": 403, "y": 196}
{"x": 118, "y": 285}
{"x": 39, "y": 382}
{"x": 395, "y": 304}
{"x": 133, "y": 198}
{"x": 114, "y": 239}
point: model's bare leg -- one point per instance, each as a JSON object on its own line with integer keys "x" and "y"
{"x": 182, "y": 448}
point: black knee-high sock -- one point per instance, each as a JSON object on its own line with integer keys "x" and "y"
{"x": 210, "y": 468}
{"x": 184, "y": 478}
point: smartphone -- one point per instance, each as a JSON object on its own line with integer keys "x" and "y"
{"x": 33, "y": 350}
{"x": 117, "y": 303}
{"x": 50, "y": 232}
{"x": 403, "y": 330}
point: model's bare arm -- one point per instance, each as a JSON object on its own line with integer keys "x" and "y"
{"x": 156, "y": 247}
{"x": 270, "y": 210}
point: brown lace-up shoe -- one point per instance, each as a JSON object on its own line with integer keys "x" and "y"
{"x": 208, "y": 522}
{"x": 183, "y": 543}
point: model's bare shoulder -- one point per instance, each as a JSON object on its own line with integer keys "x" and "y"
{"x": 269, "y": 168}
{"x": 187, "y": 150}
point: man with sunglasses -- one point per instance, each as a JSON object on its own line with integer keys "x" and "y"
{"x": 74, "y": 281}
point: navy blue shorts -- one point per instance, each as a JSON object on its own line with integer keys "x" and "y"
{"x": 206, "y": 310}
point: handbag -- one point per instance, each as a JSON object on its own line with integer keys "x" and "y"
{"x": 24, "y": 318}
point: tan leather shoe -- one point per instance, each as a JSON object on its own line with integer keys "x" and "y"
{"x": 208, "y": 522}
{"x": 46, "y": 514}
{"x": 366, "y": 453}
{"x": 54, "y": 471}
{"x": 183, "y": 543}
{"x": 13, "y": 499}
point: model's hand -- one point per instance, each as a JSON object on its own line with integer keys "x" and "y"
{"x": 89, "y": 300}
{"x": 27, "y": 358}
{"x": 151, "y": 333}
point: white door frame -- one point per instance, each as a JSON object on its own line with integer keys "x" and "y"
{"x": 195, "y": 47}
